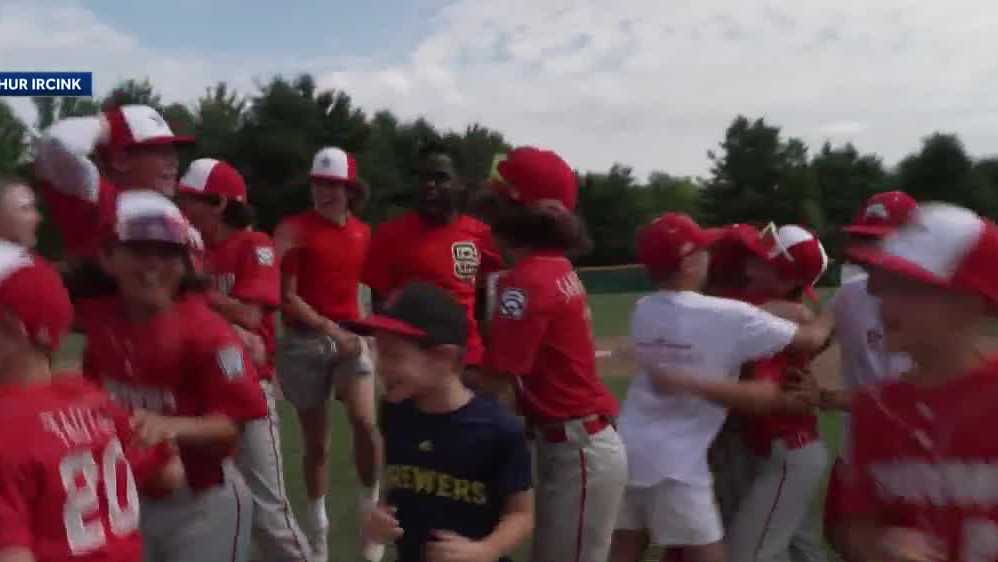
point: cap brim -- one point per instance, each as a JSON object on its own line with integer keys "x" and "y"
{"x": 875, "y": 231}
{"x": 351, "y": 183}
{"x": 873, "y": 257}
{"x": 160, "y": 141}
{"x": 380, "y": 323}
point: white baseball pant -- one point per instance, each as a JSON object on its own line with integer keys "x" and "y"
{"x": 275, "y": 530}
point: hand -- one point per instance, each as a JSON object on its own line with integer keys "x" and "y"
{"x": 254, "y": 345}
{"x": 347, "y": 343}
{"x": 380, "y": 525}
{"x": 151, "y": 429}
{"x": 900, "y": 544}
{"x": 448, "y": 546}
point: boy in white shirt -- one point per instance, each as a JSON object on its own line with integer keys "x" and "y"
{"x": 670, "y": 496}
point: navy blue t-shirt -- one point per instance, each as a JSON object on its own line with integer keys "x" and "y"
{"x": 451, "y": 471}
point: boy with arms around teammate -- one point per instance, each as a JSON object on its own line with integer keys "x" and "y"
{"x": 670, "y": 498}
{"x": 457, "y": 475}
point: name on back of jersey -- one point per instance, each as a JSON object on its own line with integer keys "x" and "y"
{"x": 77, "y": 426}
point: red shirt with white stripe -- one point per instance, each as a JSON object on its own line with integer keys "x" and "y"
{"x": 244, "y": 266}
{"x": 326, "y": 259}
{"x": 185, "y": 361}
{"x": 924, "y": 457}
{"x": 69, "y": 479}
{"x": 541, "y": 333}
{"x": 450, "y": 256}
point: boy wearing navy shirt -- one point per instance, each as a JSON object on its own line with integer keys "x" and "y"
{"x": 458, "y": 474}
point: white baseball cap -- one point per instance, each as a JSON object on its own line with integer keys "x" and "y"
{"x": 140, "y": 125}
{"x": 143, "y": 215}
{"x": 942, "y": 245}
{"x": 332, "y": 163}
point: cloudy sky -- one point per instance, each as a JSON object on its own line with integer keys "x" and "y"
{"x": 650, "y": 83}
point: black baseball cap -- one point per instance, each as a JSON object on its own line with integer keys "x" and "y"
{"x": 421, "y": 311}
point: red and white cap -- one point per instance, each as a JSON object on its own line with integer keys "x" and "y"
{"x": 795, "y": 252}
{"x": 942, "y": 245}
{"x": 882, "y": 213}
{"x": 33, "y": 292}
{"x": 140, "y": 125}
{"x": 207, "y": 176}
{"x": 148, "y": 216}
{"x": 332, "y": 163}
{"x": 663, "y": 243}
{"x": 531, "y": 174}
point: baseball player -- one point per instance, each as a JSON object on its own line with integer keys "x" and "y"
{"x": 196, "y": 386}
{"x": 541, "y": 341}
{"x": 246, "y": 291}
{"x": 19, "y": 216}
{"x": 458, "y": 474}
{"x": 774, "y": 519}
{"x": 133, "y": 147}
{"x": 670, "y": 500}
{"x": 865, "y": 358}
{"x": 435, "y": 243}
{"x": 69, "y": 474}
{"x": 322, "y": 253}
{"x": 920, "y": 473}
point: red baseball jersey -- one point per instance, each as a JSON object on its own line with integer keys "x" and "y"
{"x": 186, "y": 361}
{"x": 451, "y": 256}
{"x": 326, "y": 259}
{"x": 924, "y": 457}
{"x": 68, "y": 478}
{"x": 541, "y": 333}
{"x": 244, "y": 266}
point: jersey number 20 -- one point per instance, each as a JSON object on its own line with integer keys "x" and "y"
{"x": 82, "y": 477}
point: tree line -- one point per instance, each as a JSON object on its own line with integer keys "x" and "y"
{"x": 758, "y": 174}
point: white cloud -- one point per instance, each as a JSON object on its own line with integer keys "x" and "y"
{"x": 643, "y": 82}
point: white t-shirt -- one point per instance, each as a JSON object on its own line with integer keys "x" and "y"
{"x": 667, "y": 436}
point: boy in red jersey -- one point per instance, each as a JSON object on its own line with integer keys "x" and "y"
{"x": 246, "y": 291}
{"x": 157, "y": 346}
{"x": 69, "y": 475}
{"x": 541, "y": 341}
{"x": 322, "y": 252}
{"x": 920, "y": 470}
{"x": 435, "y": 243}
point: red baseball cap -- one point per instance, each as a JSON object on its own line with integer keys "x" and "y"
{"x": 148, "y": 216}
{"x": 794, "y": 251}
{"x": 531, "y": 174}
{"x": 942, "y": 245}
{"x": 663, "y": 243}
{"x": 32, "y": 291}
{"x": 140, "y": 125}
{"x": 207, "y": 176}
{"x": 882, "y": 213}
{"x": 332, "y": 163}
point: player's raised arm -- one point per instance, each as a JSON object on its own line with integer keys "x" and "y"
{"x": 62, "y": 155}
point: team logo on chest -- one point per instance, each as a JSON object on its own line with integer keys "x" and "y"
{"x": 512, "y": 304}
{"x": 466, "y": 260}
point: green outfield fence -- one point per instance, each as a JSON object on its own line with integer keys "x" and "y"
{"x": 632, "y": 279}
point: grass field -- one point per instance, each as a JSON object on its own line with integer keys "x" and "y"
{"x": 611, "y": 314}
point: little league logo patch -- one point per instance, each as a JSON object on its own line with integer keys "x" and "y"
{"x": 265, "y": 255}
{"x": 512, "y": 304}
{"x": 230, "y": 361}
{"x": 466, "y": 260}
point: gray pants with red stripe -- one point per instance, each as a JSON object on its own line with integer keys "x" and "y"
{"x": 580, "y": 484}
{"x": 211, "y": 525}
{"x": 275, "y": 531}
{"x": 776, "y": 520}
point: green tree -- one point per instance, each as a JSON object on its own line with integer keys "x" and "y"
{"x": 942, "y": 171}
{"x": 610, "y": 205}
{"x": 132, "y": 92}
{"x": 219, "y": 114}
{"x": 846, "y": 179}
{"x": 51, "y": 109}
{"x": 665, "y": 192}
{"x": 13, "y": 140}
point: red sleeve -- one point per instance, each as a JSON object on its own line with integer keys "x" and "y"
{"x": 17, "y": 490}
{"x": 223, "y": 375}
{"x": 259, "y": 277}
{"x": 858, "y": 488}
{"x": 145, "y": 462}
{"x": 770, "y": 369}
{"x": 378, "y": 265}
{"x": 517, "y": 329}
{"x": 81, "y": 223}
{"x": 491, "y": 256}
